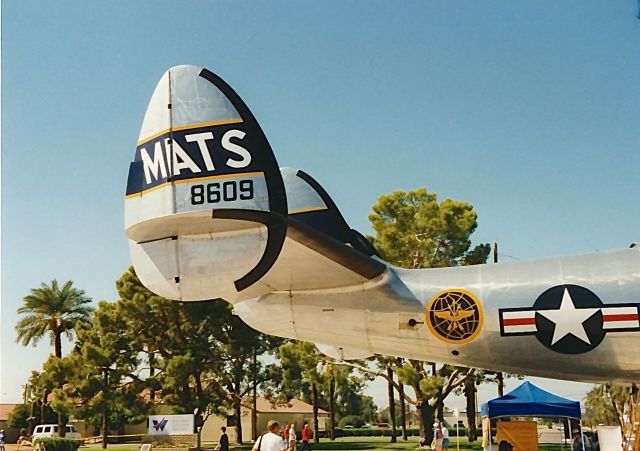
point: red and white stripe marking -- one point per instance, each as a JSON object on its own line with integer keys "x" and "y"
{"x": 523, "y": 321}
{"x": 620, "y": 318}
{"x": 613, "y": 318}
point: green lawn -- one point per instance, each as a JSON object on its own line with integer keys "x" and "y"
{"x": 350, "y": 443}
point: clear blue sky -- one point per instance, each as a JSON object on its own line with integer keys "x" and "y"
{"x": 528, "y": 109}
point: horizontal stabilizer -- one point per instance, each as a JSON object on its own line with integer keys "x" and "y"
{"x": 340, "y": 353}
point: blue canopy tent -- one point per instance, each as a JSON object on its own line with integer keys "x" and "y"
{"x": 527, "y": 400}
{"x": 530, "y": 401}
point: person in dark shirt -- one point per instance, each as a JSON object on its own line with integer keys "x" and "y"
{"x": 580, "y": 441}
{"x": 224, "y": 440}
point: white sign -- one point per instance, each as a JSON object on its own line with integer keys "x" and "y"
{"x": 456, "y": 413}
{"x": 610, "y": 438}
{"x": 171, "y": 424}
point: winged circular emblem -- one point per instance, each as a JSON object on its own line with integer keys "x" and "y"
{"x": 454, "y": 316}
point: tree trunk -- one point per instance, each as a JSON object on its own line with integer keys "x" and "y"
{"x": 332, "y": 408}
{"x": 198, "y": 429}
{"x": 403, "y": 413}
{"x": 237, "y": 414}
{"x": 43, "y": 405}
{"x": 105, "y": 427}
{"x": 470, "y": 395}
{"x": 58, "y": 344}
{"x": 62, "y": 425}
{"x": 32, "y": 417}
{"x": 254, "y": 407}
{"x": 403, "y": 406}
{"x": 392, "y": 404}
{"x": 314, "y": 401}
{"x": 254, "y": 417}
{"x": 58, "y": 352}
{"x": 105, "y": 411}
{"x": 152, "y": 372}
{"x": 440, "y": 408}
{"x": 426, "y": 414}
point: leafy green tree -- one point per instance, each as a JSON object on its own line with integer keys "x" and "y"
{"x": 431, "y": 388}
{"x": 431, "y": 385}
{"x": 385, "y": 414}
{"x": 349, "y": 388}
{"x": 35, "y": 395}
{"x": 614, "y": 405}
{"x": 598, "y": 408}
{"x": 302, "y": 376}
{"x": 386, "y": 364}
{"x": 19, "y": 416}
{"x": 99, "y": 381}
{"x": 351, "y": 420}
{"x": 241, "y": 371}
{"x": 177, "y": 343}
{"x": 469, "y": 389}
{"x": 205, "y": 357}
{"x": 54, "y": 311}
{"x": 309, "y": 375}
{"x": 414, "y": 230}
{"x": 369, "y": 410}
{"x": 343, "y": 389}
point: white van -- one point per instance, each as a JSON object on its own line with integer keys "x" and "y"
{"x": 51, "y": 430}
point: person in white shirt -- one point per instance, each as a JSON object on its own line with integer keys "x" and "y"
{"x": 271, "y": 441}
{"x": 293, "y": 446}
{"x": 445, "y": 436}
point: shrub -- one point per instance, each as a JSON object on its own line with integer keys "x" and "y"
{"x": 351, "y": 420}
{"x": 462, "y": 431}
{"x": 59, "y": 444}
{"x": 371, "y": 432}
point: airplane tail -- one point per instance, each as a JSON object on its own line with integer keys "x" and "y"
{"x": 204, "y": 183}
{"x": 207, "y": 209}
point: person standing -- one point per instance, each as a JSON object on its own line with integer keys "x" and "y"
{"x": 2, "y": 439}
{"x": 437, "y": 437}
{"x": 293, "y": 445}
{"x": 286, "y": 436}
{"x": 223, "y": 444}
{"x": 306, "y": 438}
{"x": 271, "y": 441}
{"x": 445, "y": 436}
{"x": 580, "y": 441}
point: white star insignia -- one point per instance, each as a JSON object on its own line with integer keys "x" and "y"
{"x": 568, "y": 319}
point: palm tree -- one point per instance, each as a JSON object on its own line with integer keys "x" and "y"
{"x": 53, "y": 311}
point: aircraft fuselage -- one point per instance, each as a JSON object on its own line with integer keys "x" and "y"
{"x": 595, "y": 336}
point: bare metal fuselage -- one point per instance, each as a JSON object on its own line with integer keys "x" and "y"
{"x": 376, "y": 318}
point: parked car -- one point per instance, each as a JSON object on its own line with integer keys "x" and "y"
{"x": 348, "y": 426}
{"x": 383, "y": 426}
{"x": 51, "y": 430}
